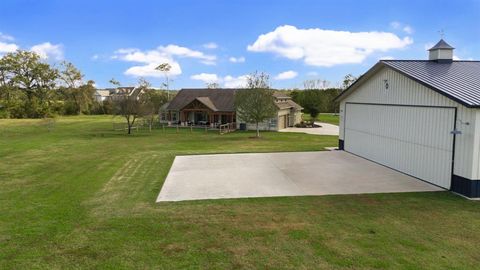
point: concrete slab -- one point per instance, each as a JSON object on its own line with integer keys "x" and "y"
{"x": 325, "y": 129}
{"x": 281, "y": 174}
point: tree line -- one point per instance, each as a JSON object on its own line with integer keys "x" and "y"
{"x": 317, "y": 97}
{"x": 31, "y": 88}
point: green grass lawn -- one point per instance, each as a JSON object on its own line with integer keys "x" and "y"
{"x": 83, "y": 196}
{"x": 329, "y": 118}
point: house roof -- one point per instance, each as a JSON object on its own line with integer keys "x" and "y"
{"x": 457, "y": 80}
{"x": 103, "y": 93}
{"x": 288, "y": 104}
{"x": 207, "y": 102}
{"x": 281, "y": 95}
{"x": 441, "y": 45}
{"x": 220, "y": 99}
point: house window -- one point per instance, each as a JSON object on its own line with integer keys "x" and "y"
{"x": 174, "y": 116}
{"x": 164, "y": 116}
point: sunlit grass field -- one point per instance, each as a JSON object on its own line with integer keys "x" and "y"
{"x": 77, "y": 194}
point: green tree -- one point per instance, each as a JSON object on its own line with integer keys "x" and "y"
{"x": 78, "y": 96}
{"x": 256, "y": 103}
{"x": 32, "y": 79}
{"x": 153, "y": 100}
{"x": 313, "y": 102}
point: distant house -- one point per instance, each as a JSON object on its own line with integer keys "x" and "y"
{"x": 213, "y": 107}
{"x": 420, "y": 117}
{"x": 289, "y": 113}
{"x": 114, "y": 93}
{"x": 101, "y": 95}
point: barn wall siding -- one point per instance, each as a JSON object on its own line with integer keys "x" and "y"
{"x": 405, "y": 91}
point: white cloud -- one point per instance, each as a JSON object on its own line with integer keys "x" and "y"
{"x": 8, "y": 47}
{"x": 408, "y": 29}
{"x": 6, "y": 37}
{"x": 175, "y": 50}
{"x": 150, "y": 60}
{"x": 240, "y": 59}
{"x": 287, "y": 75}
{"x": 205, "y": 77}
{"x": 48, "y": 50}
{"x": 400, "y": 26}
{"x": 235, "y": 82}
{"x": 227, "y": 81}
{"x": 162, "y": 54}
{"x": 387, "y": 57}
{"x": 149, "y": 70}
{"x": 318, "y": 47}
{"x": 95, "y": 57}
{"x": 395, "y": 25}
{"x": 312, "y": 73}
{"x": 210, "y": 45}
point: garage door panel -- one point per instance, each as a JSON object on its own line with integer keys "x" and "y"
{"x": 413, "y": 140}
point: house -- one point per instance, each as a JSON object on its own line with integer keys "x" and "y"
{"x": 213, "y": 107}
{"x": 289, "y": 113}
{"x": 420, "y": 117}
{"x": 114, "y": 93}
{"x": 101, "y": 95}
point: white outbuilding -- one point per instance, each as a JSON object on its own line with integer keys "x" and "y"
{"x": 419, "y": 117}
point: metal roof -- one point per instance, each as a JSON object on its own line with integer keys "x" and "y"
{"x": 441, "y": 45}
{"x": 457, "y": 80}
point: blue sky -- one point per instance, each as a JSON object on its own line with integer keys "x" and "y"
{"x": 225, "y": 40}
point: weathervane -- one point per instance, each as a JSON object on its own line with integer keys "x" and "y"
{"x": 442, "y": 33}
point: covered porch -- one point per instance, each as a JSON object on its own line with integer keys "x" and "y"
{"x": 205, "y": 117}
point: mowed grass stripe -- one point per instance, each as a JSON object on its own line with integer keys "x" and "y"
{"x": 83, "y": 196}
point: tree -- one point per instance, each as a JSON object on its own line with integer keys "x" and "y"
{"x": 32, "y": 80}
{"x": 348, "y": 80}
{"x": 76, "y": 93}
{"x": 131, "y": 104}
{"x": 212, "y": 85}
{"x": 165, "y": 68}
{"x": 316, "y": 84}
{"x": 313, "y": 102}
{"x": 256, "y": 103}
{"x": 153, "y": 100}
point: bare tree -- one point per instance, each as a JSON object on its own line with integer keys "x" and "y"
{"x": 348, "y": 80}
{"x": 256, "y": 103}
{"x": 212, "y": 85}
{"x": 316, "y": 84}
{"x": 165, "y": 68}
{"x": 150, "y": 107}
{"x": 129, "y": 103}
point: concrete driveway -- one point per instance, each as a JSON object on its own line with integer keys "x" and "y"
{"x": 325, "y": 129}
{"x": 281, "y": 174}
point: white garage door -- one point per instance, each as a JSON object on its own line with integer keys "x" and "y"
{"x": 414, "y": 140}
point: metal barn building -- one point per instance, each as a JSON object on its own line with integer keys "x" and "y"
{"x": 419, "y": 117}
